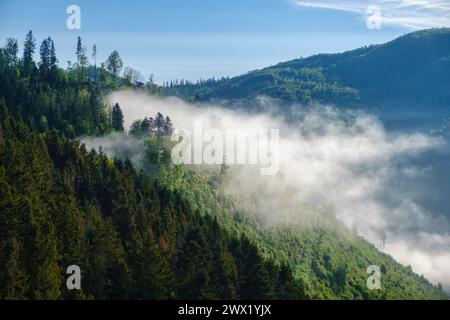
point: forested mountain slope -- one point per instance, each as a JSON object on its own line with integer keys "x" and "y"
{"x": 329, "y": 260}
{"x": 62, "y": 205}
{"x": 164, "y": 233}
{"x": 408, "y": 73}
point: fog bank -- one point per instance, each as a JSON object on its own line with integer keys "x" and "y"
{"x": 330, "y": 162}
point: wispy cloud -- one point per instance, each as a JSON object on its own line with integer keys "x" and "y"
{"x": 415, "y": 14}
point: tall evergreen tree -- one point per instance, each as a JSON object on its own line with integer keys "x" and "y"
{"x": 117, "y": 118}
{"x": 147, "y": 125}
{"x": 52, "y": 58}
{"x": 11, "y": 50}
{"x": 82, "y": 60}
{"x": 94, "y": 58}
{"x": 168, "y": 127}
{"x": 44, "y": 64}
{"x": 160, "y": 124}
{"x": 136, "y": 128}
{"x": 29, "y": 46}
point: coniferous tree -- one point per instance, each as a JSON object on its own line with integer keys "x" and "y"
{"x": 147, "y": 125}
{"x": 168, "y": 127}
{"x": 159, "y": 124}
{"x": 44, "y": 64}
{"x": 117, "y": 118}
{"x": 11, "y": 50}
{"x": 136, "y": 128}
{"x": 82, "y": 60}
{"x": 94, "y": 58}
{"x": 48, "y": 64}
{"x": 53, "y": 60}
{"x": 28, "y": 65}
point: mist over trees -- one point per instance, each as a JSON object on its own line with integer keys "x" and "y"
{"x": 137, "y": 236}
{"x": 149, "y": 125}
{"x": 62, "y": 204}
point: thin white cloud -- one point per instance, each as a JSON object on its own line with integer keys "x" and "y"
{"x": 414, "y": 14}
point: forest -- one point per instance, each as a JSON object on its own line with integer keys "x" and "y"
{"x": 389, "y": 77}
{"x": 149, "y": 231}
{"x": 63, "y": 205}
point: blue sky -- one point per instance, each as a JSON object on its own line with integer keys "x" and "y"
{"x": 197, "y": 38}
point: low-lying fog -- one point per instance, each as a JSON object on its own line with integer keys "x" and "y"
{"x": 375, "y": 181}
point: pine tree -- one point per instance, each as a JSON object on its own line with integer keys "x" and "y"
{"x": 146, "y": 125}
{"x": 44, "y": 64}
{"x": 53, "y": 60}
{"x": 11, "y": 50}
{"x": 136, "y": 128}
{"x": 160, "y": 124}
{"x": 153, "y": 274}
{"x": 82, "y": 61}
{"x": 168, "y": 127}
{"x": 117, "y": 118}
{"x": 254, "y": 273}
{"x": 13, "y": 278}
{"x": 28, "y": 65}
{"x": 94, "y": 58}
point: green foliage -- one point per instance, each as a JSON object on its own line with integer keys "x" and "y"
{"x": 159, "y": 126}
{"x": 392, "y": 76}
{"x": 114, "y": 65}
{"x": 28, "y": 65}
{"x": 329, "y": 261}
{"x": 165, "y": 232}
{"x": 117, "y": 118}
{"x": 132, "y": 238}
{"x": 48, "y": 99}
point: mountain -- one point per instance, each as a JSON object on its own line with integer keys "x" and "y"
{"x": 410, "y": 73}
{"x": 159, "y": 233}
{"x": 62, "y": 205}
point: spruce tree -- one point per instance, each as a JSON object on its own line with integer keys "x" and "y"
{"x": 82, "y": 60}
{"x": 53, "y": 61}
{"x": 160, "y": 124}
{"x": 28, "y": 51}
{"x": 44, "y": 64}
{"x": 117, "y": 118}
{"x": 11, "y": 50}
{"x": 168, "y": 127}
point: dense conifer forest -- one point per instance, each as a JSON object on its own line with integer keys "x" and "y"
{"x": 142, "y": 232}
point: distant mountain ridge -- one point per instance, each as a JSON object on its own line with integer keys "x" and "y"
{"x": 411, "y": 72}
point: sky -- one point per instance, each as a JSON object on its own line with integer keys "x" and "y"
{"x": 213, "y": 38}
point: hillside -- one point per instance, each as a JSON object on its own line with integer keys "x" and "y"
{"x": 328, "y": 260}
{"x": 162, "y": 232}
{"x": 63, "y": 205}
{"x": 408, "y": 73}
